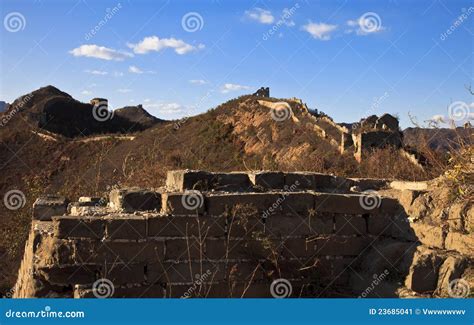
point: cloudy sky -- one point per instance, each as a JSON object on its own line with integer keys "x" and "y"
{"x": 178, "y": 58}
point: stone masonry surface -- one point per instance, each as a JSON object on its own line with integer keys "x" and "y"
{"x": 233, "y": 235}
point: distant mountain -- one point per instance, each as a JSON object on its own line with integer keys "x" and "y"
{"x": 3, "y": 106}
{"x": 53, "y": 110}
{"x": 441, "y": 139}
{"x": 138, "y": 115}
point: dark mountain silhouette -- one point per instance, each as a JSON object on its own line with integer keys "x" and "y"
{"x": 3, "y": 106}
{"x": 138, "y": 115}
{"x": 438, "y": 139}
{"x": 56, "y": 111}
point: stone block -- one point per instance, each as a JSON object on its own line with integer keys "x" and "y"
{"x": 267, "y": 180}
{"x": 88, "y": 273}
{"x": 397, "y": 226}
{"x": 332, "y": 245}
{"x": 91, "y": 201}
{"x": 182, "y": 180}
{"x": 104, "y": 252}
{"x": 297, "y": 204}
{"x": 365, "y": 184}
{"x": 350, "y": 225}
{"x": 121, "y": 274}
{"x": 182, "y": 226}
{"x": 53, "y": 251}
{"x": 129, "y": 227}
{"x": 48, "y": 206}
{"x": 135, "y": 291}
{"x": 342, "y": 203}
{"x": 78, "y": 227}
{"x": 186, "y": 203}
{"x": 300, "y": 181}
{"x": 184, "y": 249}
{"x": 279, "y": 226}
{"x": 241, "y": 290}
{"x": 184, "y": 272}
{"x": 239, "y": 249}
{"x": 69, "y": 275}
{"x": 134, "y": 199}
{"x": 225, "y": 204}
{"x": 231, "y": 182}
{"x": 243, "y": 225}
{"x": 412, "y": 186}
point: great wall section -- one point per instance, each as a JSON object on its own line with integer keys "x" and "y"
{"x": 255, "y": 234}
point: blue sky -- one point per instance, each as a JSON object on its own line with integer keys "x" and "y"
{"x": 346, "y": 58}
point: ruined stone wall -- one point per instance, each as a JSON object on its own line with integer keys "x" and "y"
{"x": 223, "y": 235}
{"x": 374, "y": 139}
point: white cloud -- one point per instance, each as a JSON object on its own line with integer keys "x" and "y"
{"x": 287, "y": 13}
{"x": 226, "y": 88}
{"x": 118, "y": 74}
{"x": 100, "y": 52}
{"x": 134, "y": 69}
{"x": 365, "y": 25}
{"x": 198, "y": 81}
{"x": 352, "y": 23}
{"x": 438, "y": 118}
{"x": 86, "y": 92}
{"x": 124, "y": 90}
{"x": 261, "y": 15}
{"x": 163, "y": 108}
{"x": 97, "y": 72}
{"x": 154, "y": 43}
{"x": 320, "y": 31}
